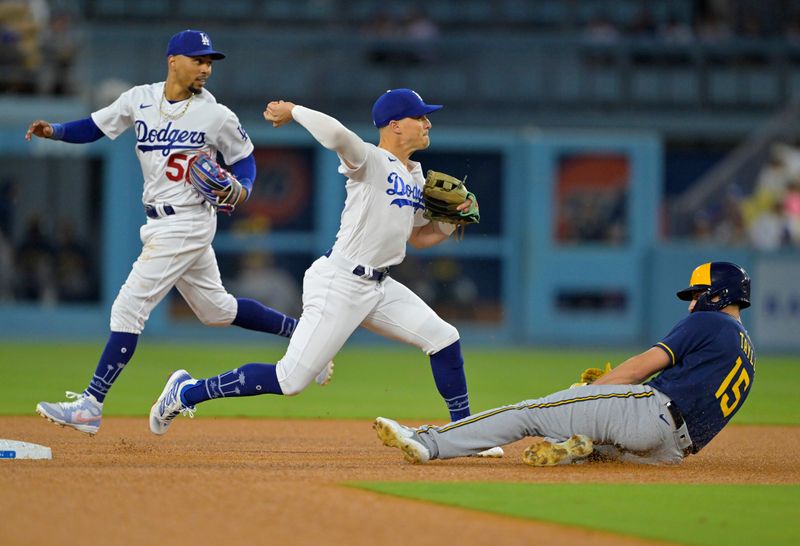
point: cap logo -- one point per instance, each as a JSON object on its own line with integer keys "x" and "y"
{"x": 204, "y": 39}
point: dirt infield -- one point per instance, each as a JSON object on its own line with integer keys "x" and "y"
{"x": 248, "y": 481}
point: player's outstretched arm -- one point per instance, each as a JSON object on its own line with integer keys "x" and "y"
{"x": 327, "y": 130}
{"x": 81, "y": 131}
{"x": 636, "y": 369}
{"x": 39, "y": 128}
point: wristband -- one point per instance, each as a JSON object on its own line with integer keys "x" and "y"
{"x": 58, "y": 131}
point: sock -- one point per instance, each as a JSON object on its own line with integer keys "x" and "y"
{"x": 118, "y": 351}
{"x": 448, "y": 374}
{"x": 254, "y": 315}
{"x": 249, "y": 380}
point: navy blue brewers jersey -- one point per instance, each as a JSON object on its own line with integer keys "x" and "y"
{"x": 713, "y": 366}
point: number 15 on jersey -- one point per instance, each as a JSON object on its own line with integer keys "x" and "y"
{"x": 731, "y": 392}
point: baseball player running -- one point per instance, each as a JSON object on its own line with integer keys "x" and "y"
{"x": 350, "y": 285}
{"x": 174, "y": 120}
{"x": 707, "y": 365}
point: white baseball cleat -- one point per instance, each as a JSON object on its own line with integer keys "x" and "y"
{"x": 491, "y": 453}
{"x": 324, "y": 377}
{"x": 169, "y": 405}
{"x": 393, "y": 434}
{"x": 84, "y": 414}
{"x": 546, "y": 453}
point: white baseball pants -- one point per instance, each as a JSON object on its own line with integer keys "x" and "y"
{"x": 336, "y": 302}
{"x": 176, "y": 252}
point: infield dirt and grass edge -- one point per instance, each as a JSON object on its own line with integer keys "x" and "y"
{"x": 692, "y": 514}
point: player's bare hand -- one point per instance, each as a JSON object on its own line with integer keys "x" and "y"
{"x": 465, "y": 205}
{"x": 279, "y": 112}
{"x": 39, "y": 128}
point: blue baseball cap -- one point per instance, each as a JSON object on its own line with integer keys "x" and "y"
{"x": 398, "y": 104}
{"x": 192, "y": 43}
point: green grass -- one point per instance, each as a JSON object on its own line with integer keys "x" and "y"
{"x": 394, "y": 381}
{"x": 708, "y": 515}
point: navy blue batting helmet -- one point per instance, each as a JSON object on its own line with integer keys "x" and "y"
{"x": 725, "y": 280}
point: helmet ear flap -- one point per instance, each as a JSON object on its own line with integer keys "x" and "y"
{"x": 704, "y": 302}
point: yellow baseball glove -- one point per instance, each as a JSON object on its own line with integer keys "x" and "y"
{"x": 443, "y": 194}
{"x": 590, "y": 375}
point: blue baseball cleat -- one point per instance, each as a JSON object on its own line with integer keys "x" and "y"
{"x": 84, "y": 414}
{"x": 169, "y": 405}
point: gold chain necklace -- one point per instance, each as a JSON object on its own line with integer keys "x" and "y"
{"x": 169, "y": 115}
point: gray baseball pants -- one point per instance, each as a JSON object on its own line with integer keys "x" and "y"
{"x": 626, "y": 422}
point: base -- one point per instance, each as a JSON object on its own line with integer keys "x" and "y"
{"x": 13, "y": 449}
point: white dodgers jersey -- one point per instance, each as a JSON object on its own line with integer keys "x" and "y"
{"x": 165, "y": 146}
{"x": 384, "y": 203}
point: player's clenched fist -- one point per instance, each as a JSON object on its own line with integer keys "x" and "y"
{"x": 39, "y": 128}
{"x": 279, "y": 112}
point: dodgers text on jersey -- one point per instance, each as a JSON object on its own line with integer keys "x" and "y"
{"x": 399, "y": 187}
{"x": 167, "y": 139}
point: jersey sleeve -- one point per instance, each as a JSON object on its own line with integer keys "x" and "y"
{"x": 115, "y": 118}
{"x": 685, "y": 337}
{"x": 231, "y": 139}
{"x": 360, "y": 173}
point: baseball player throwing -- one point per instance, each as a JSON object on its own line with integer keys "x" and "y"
{"x": 174, "y": 121}
{"x": 350, "y": 285}
{"x": 707, "y": 364}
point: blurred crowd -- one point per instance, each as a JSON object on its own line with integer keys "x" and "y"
{"x": 46, "y": 263}
{"x": 458, "y": 288}
{"x": 415, "y": 28}
{"x": 707, "y": 21}
{"x": 40, "y": 38}
{"x": 38, "y": 48}
{"x": 772, "y": 213}
{"x": 766, "y": 219}
{"x": 703, "y": 21}
{"x": 598, "y": 20}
